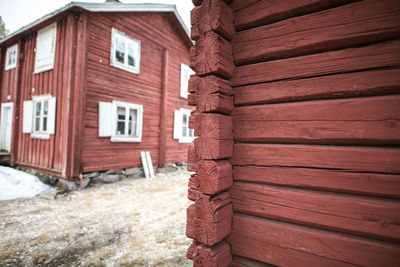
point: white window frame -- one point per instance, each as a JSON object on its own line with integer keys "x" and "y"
{"x": 40, "y": 134}
{"x": 179, "y": 124}
{"x": 51, "y": 32}
{"x": 11, "y": 54}
{"x": 186, "y": 72}
{"x": 139, "y": 117}
{"x": 115, "y": 34}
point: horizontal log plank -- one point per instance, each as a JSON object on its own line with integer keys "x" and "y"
{"x": 367, "y": 120}
{"x": 362, "y": 216}
{"x": 242, "y": 262}
{"x": 359, "y": 159}
{"x": 253, "y": 13}
{"x": 286, "y": 244}
{"x": 366, "y": 83}
{"x": 352, "y": 59}
{"x": 373, "y": 184}
{"x": 360, "y": 23}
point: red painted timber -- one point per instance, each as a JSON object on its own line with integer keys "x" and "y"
{"x": 216, "y": 256}
{"x": 373, "y": 184}
{"x": 366, "y": 83}
{"x": 373, "y": 56}
{"x": 367, "y": 120}
{"x": 286, "y": 244}
{"x": 361, "y": 159}
{"x": 360, "y": 23}
{"x": 163, "y": 109}
{"x": 253, "y": 13}
{"x": 242, "y": 262}
{"x": 364, "y": 216}
{"x": 213, "y": 177}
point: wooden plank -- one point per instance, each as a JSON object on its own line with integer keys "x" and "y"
{"x": 243, "y": 262}
{"x": 366, "y": 83}
{"x": 352, "y": 59}
{"x": 144, "y": 164}
{"x": 358, "y": 159}
{"x": 286, "y": 244}
{"x": 216, "y": 256}
{"x": 362, "y": 216}
{"x": 253, "y": 13}
{"x": 360, "y": 23}
{"x": 355, "y": 121}
{"x": 150, "y": 164}
{"x": 385, "y": 185}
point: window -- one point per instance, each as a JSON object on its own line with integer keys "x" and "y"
{"x": 39, "y": 116}
{"x": 182, "y": 132}
{"x": 45, "y": 48}
{"x": 125, "y": 52}
{"x": 121, "y": 121}
{"x": 11, "y": 57}
{"x": 186, "y": 71}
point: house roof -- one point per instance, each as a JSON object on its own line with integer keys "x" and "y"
{"x": 107, "y": 7}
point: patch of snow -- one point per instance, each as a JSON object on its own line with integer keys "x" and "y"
{"x": 18, "y": 184}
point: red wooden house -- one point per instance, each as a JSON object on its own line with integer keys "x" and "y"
{"x": 297, "y": 158}
{"x": 89, "y": 86}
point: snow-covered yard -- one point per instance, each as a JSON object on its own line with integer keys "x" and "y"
{"x": 135, "y": 222}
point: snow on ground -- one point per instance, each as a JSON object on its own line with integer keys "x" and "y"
{"x": 135, "y": 222}
{"x": 18, "y": 184}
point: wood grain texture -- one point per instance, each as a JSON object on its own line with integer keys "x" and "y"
{"x": 361, "y": 216}
{"x": 243, "y": 262}
{"x": 365, "y": 83}
{"x": 286, "y": 244}
{"x": 216, "y": 256}
{"x": 373, "y": 184}
{"x": 360, "y": 23}
{"x": 212, "y": 54}
{"x": 253, "y": 13}
{"x": 212, "y": 15}
{"x": 358, "y": 159}
{"x": 355, "y": 121}
{"x": 213, "y": 177}
{"x": 347, "y": 60}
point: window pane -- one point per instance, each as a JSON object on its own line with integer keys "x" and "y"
{"x": 44, "y": 124}
{"x": 131, "y": 56}
{"x": 45, "y": 107}
{"x": 119, "y": 50}
{"x": 191, "y": 132}
{"x": 37, "y": 124}
{"x": 120, "y": 120}
{"x": 184, "y": 125}
{"x": 132, "y": 122}
{"x": 38, "y": 108}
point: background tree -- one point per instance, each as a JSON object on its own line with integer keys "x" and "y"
{"x": 3, "y": 29}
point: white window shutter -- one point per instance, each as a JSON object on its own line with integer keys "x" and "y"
{"x": 27, "y": 117}
{"x": 106, "y": 119}
{"x": 45, "y": 48}
{"x": 177, "y": 124}
{"x": 51, "y": 121}
{"x": 186, "y": 71}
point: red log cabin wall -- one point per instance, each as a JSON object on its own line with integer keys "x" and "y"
{"x": 158, "y": 36}
{"x": 315, "y": 123}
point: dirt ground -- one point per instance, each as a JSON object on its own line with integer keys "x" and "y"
{"x": 135, "y": 222}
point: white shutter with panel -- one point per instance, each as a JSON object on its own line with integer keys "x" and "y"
{"x": 27, "y": 117}
{"x": 45, "y": 48}
{"x": 51, "y": 121}
{"x": 186, "y": 71}
{"x": 106, "y": 119}
{"x": 177, "y": 124}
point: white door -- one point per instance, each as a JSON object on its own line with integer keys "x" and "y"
{"x": 6, "y": 126}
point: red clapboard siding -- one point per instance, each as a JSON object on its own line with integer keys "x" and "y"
{"x": 376, "y": 82}
{"x": 373, "y": 56}
{"x": 370, "y": 159}
{"x": 361, "y": 22}
{"x": 363, "y": 216}
{"x": 368, "y": 120}
{"x": 286, "y": 244}
{"x": 106, "y": 83}
{"x": 386, "y": 185}
{"x": 253, "y": 13}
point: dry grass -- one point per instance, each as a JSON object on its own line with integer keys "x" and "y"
{"x": 130, "y": 223}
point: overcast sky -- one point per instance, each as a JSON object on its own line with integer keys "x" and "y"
{"x": 18, "y": 13}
